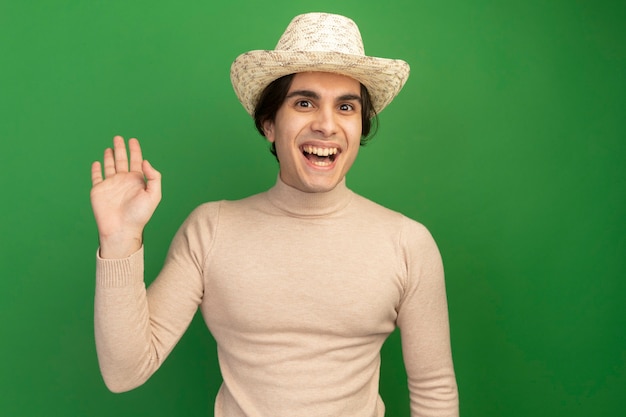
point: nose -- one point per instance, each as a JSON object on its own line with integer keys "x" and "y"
{"x": 324, "y": 121}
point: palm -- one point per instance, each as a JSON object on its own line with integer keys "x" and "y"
{"x": 121, "y": 202}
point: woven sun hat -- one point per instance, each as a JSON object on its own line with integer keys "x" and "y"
{"x": 318, "y": 42}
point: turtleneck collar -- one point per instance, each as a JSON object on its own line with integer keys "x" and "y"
{"x": 301, "y": 204}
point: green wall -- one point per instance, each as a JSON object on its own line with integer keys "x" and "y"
{"x": 508, "y": 142}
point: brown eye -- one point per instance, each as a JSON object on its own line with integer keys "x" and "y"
{"x": 303, "y": 103}
{"x": 346, "y": 107}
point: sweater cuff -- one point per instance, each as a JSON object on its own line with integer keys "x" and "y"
{"x": 119, "y": 272}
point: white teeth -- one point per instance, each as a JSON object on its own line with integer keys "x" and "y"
{"x": 321, "y": 163}
{"x": 320, "y": 151}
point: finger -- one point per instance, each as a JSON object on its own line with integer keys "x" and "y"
{"x": 96, "y": 173}
{"x": 153, "y": 178}
{"x": 135, "y": 155}
{"x": 109, "y": 163}
{"x": 121, "y": 158}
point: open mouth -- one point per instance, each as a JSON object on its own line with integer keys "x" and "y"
{"x": 321, "y": 157}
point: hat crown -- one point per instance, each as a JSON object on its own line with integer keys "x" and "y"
{"x": 322, "y": 32}
{"x": 318, "y": 42}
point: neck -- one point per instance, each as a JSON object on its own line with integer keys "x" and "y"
{"x": 300, "y": 203}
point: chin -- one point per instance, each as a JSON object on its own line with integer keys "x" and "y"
{"x": 319, "y": 187}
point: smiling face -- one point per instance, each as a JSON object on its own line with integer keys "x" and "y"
{"x": 317, "y": 130}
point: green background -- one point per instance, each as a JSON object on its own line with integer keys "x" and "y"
{"x": 508, "y": 142}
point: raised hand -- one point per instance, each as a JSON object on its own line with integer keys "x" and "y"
{"x": 124, "y": 199}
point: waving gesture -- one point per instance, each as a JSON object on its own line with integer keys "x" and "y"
{"x": 124, "y": 199}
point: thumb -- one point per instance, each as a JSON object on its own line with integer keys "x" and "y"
{"x": 153, "y": 178}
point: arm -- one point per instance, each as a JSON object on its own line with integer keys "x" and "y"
{"x": 134, "y": 331}
{"x": 424, "y": 328}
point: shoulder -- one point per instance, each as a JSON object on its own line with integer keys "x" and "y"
{"x": 203, "y": 215}
{"x": 410, "y": 233}
{"x": 210, "y": 213}
{"x": 374, "y": 210}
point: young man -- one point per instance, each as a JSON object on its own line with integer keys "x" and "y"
{"x": 299, "y": 285}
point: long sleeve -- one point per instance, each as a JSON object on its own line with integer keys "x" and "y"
{"x": 135, "y": 328}
{"x": 424, "y": 327}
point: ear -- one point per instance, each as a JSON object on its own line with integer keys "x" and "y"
{"x": 268, "y": 130}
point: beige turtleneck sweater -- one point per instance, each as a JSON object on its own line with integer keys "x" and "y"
{"x": 300, "y": 291}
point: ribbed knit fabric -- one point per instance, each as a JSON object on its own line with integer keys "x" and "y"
{"x": 300, "y": 291}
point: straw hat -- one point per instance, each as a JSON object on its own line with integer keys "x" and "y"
{"x": 318, "y": 42}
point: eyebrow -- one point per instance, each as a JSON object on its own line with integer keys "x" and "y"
{"x": 314, "y": 95}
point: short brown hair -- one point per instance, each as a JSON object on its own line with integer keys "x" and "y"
{"x": 274, "y": 95}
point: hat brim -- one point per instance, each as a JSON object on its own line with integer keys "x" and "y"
{"x": 253, "y": 71}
